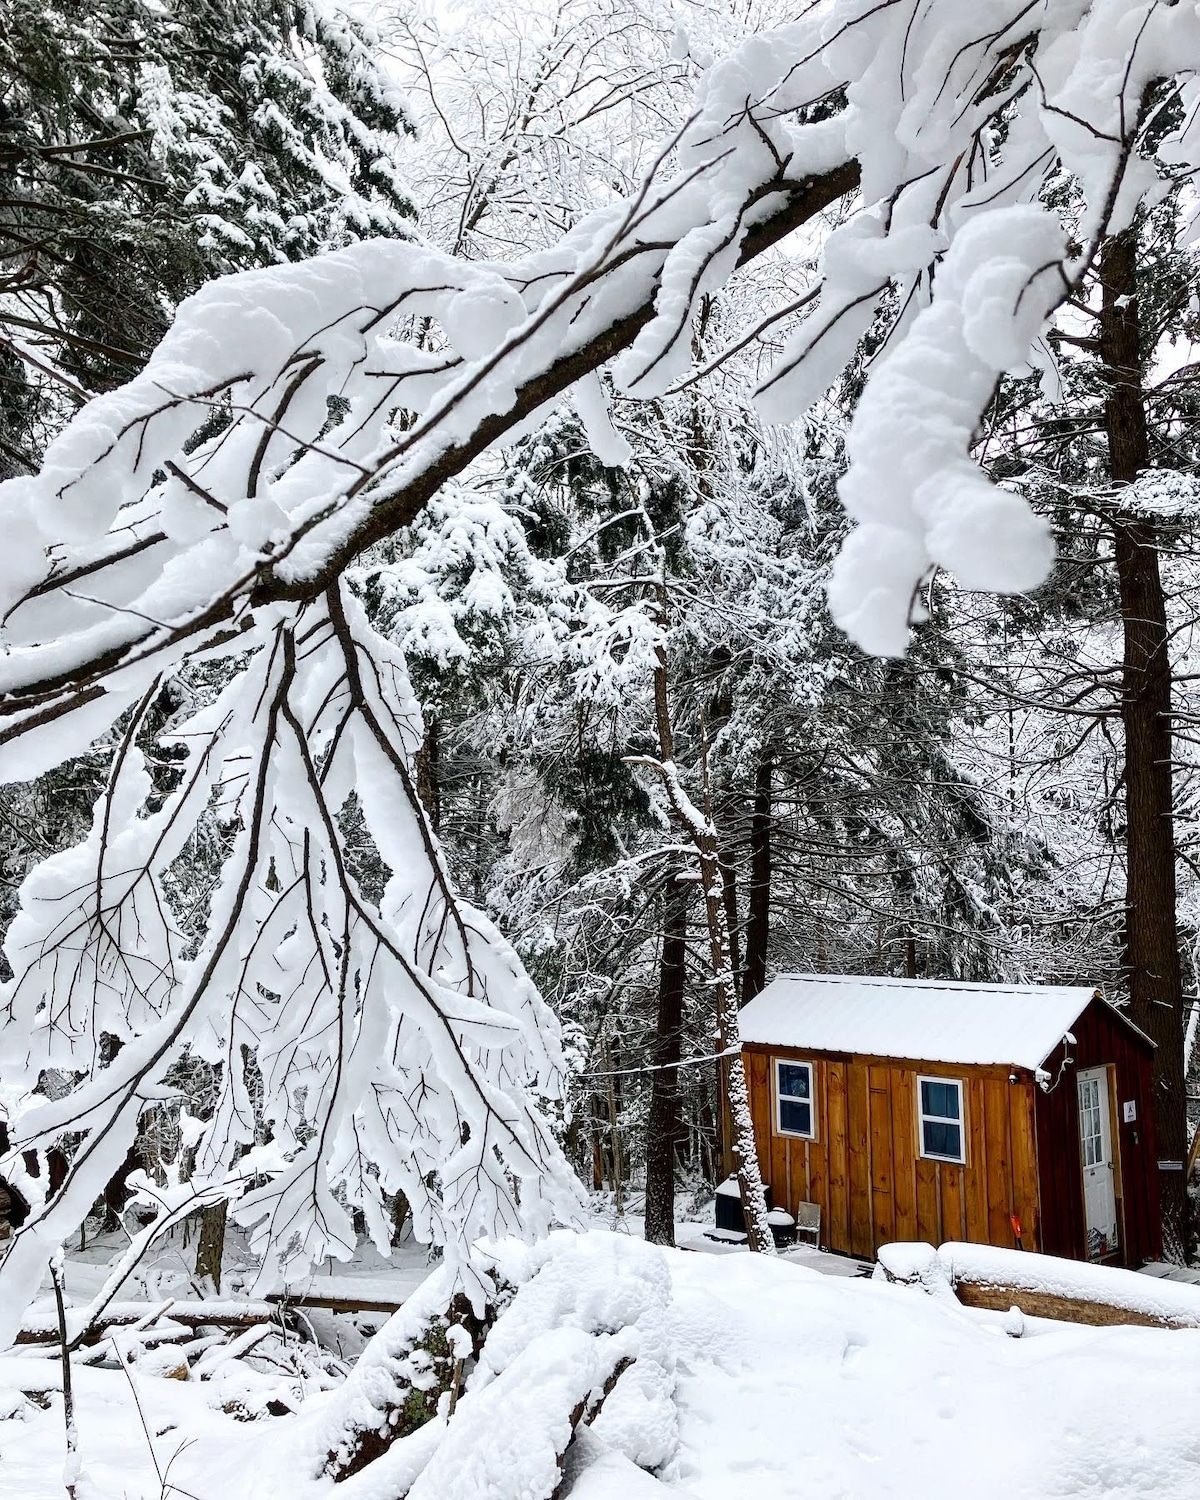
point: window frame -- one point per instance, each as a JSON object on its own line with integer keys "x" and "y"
{"x": 811, "y": 1101}
{"x": 961, "y": 1122}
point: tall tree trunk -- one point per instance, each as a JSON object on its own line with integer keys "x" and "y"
{"x": 729, "y": 1043}
{"x": 708, "y": 1135}
{"x": 116, "y": 1193}
{"x": 210, "y": 1248}
{"x": 429, "y": 788}
{"x": 662, "y": 1130}
{"x": 729, "y": 897}
{"x": 699, "y": 828}
{"x": 1152, "y": 947}
{"x": 758, "y": 905}
{"x": 614, "y": 1140}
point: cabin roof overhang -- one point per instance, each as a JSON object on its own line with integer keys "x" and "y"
{"x": 942, "y": 1022}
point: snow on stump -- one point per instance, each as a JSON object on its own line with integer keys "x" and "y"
{"x": 911, "y": 1264}
{"x": 914, "y": 1264}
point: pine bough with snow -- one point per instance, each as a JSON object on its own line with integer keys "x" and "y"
{"x": 208, "y": 512}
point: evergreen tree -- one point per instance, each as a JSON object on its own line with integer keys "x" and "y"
{"x": 146, "y": 147}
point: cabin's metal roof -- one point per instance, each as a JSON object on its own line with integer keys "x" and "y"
{"x": 926, "y": 1020}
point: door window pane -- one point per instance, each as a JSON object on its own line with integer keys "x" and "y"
{"x": 1091, "y": 1138}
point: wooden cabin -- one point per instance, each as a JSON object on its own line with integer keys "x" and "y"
{"x": 911, "y": 1109}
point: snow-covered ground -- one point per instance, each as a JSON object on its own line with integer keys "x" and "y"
{"x": 786, "y": 1383}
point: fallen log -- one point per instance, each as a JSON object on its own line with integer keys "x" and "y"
{"x": 999, "y": 1297}
{"x": 1042, "y": 1286}
{"x": 42, "y": 1327}
{"x": 338, "y": 1304}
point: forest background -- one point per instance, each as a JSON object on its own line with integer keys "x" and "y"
{"x": 630, "y": 583}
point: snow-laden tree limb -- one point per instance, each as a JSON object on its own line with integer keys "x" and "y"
{"x": 148, "y": 568}
{"x": 134, "y": 546}
{"x": 397, "y": 1044}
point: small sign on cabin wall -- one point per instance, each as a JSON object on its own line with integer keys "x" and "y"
{"x": 1129, "y": 1111}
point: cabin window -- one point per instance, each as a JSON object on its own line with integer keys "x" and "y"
{"x": 794, "y": 1099}
{"x": 941, "y": 1119}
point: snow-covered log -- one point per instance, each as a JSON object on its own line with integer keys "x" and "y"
{"x": 1041, "y": 1286}
{"x": 580, "y": 1337}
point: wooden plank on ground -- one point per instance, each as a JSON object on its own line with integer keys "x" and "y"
{"x": 42, "y": 1328}
{"x": 342, "y": 1304}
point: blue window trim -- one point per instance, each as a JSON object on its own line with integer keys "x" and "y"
{"x": 960, "y": 1122}
{"x": 795, "y": 1135}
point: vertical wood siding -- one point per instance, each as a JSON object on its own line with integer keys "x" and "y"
{"x": 865, "y": 1168}
{"x": 1100, "y": 1039}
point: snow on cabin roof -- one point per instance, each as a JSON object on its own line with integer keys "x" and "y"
{"x": 926, "y": 1020}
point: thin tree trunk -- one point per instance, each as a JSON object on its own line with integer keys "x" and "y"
{"x": 758, "y": 905}
{"x": 71, "y": 1466}
{"x": 477, "y": 862}
{"x": 662, "y": 1130}
{"x": 401, "y": 1211}
{"x": 210, "y": 1247}
{"x": 699, "y": 828}
{"x": 729, "y": 897}
{"x": 1152, "y": 947}
{"x": 429, "y": 773}
{"x": 613, "y": 1138}
{"x": 597, "y": 1148}
{"x": 708, "y": 1136}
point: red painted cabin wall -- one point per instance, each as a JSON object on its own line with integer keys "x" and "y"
{"x": 1101, "y": 1038}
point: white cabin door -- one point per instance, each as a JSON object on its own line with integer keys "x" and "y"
{"x": 1099, "y": 1172}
